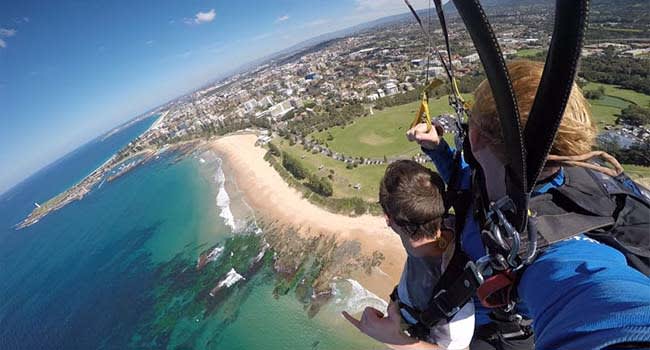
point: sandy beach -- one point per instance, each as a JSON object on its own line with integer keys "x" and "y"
{"x": 274, "y": 201}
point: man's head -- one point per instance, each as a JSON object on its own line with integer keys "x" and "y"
{"x": 577, "y": 130}
{"x": 412, "y": 198}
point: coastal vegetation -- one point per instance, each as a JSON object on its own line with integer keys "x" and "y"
{"x": 319, "y": 189}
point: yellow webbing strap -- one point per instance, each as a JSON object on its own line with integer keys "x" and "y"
{"x": 422, "y": 115}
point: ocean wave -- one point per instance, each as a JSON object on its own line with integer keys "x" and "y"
{"x": 215, "y": 253}
{"x": 232, "y": 277}
{"x": 354, "y": 298}
{"x": 262, "y": 252}
{"x": 223, "y": 199}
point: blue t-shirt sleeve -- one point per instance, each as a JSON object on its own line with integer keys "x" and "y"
{"x": 589, "y": 298}
{"x": 443, "y": 158}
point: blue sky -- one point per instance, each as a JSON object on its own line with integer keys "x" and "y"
{"x": 71, "y": 70}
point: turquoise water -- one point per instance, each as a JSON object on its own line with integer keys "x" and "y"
{"x": 117, "y": 270}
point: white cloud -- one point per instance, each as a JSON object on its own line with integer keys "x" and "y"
{"x": 205, "y": 17}
{"x": 3, "y": 44}
{"x": 7, "y": 32}
{"x": 282, "y": 19}
{"x": 149, "y": 42}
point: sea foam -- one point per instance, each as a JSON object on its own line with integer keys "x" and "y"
{"x": 354, "y": 298}
{"x": 223, "y": 200}
{"x": 232, "y": 277}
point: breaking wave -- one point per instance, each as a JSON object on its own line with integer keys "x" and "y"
{"x": 352, "y": 297}
{"x": 232, "y": 277}
{"x": 223, "y": 200}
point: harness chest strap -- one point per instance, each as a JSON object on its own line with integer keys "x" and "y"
{"x": 455, "y": 288}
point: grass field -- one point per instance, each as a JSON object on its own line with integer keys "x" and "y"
{"x": 381, "y": 134}
{"x": 344, "y": 179}
{"x": 528, "y": 52}
{"x": 640, "y": 99}
{"x": 606, "y": 109}
{"x": 638, "y": 173}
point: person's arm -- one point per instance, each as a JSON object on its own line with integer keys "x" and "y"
{"x": 583, "y": 295}
{"x": 387, "y": 329}
{"x": 436, "y": 148}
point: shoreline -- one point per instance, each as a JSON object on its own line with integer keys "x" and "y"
{"x": 260, "y": 190}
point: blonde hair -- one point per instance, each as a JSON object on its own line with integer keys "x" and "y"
{"x": 577, "y": 130}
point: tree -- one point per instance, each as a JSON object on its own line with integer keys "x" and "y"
{"x": 634, "y": 115}
{"x": 294, "y": 166}
{"x": 274, "y": 149}
{"x": 320, "y": 185}
{"x": 593, "y": 94}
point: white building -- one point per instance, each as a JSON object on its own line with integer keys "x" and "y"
{"x": 280, "y": 109}
{"x": 242, "y": 95}
{"x": 266, "y": 101}
{"x": 391, "y": 89}
{"x": 373, "y": 97}
{"x": 471, "y": 58}
{"x": 436, "y": 71}
{"x": 250, "y": 105}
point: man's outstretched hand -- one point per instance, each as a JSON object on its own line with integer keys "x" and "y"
{"x": 428, "y": 140}
{"x": 384, "y": 329}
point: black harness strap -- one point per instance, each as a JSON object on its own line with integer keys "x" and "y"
{"x": 555, "y": 87}
{"x": 495, "y": 68}
{"x": 454, "y": 289}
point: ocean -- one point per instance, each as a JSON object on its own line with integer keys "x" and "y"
{"x": 118, "y": 269}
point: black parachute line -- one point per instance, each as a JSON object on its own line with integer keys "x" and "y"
{"x": 432, "y": 47}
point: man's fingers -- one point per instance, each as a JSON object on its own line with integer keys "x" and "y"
{"x": 393, "y": 310}
{"x": 439, "y": 129}
{"x": 371, "y": 312}
{"x": 410, "y": 135}
{"x": 351, "y": 319}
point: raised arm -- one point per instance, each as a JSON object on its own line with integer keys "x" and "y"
{"x": 434, "y": 146}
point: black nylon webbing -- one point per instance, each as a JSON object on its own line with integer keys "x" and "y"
{"x": 495, "y": 68}
{"x": 556, "y": 84}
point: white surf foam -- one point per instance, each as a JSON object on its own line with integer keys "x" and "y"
{"x": 215, "y": 253}
{"x": 223, "y": 200}
{"x": 232, "y": 277}
{"x": 262, "y": 252}
{"x": 354, "y": 298}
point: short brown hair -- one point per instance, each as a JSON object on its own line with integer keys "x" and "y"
{"x": 412, "y": 196}
{"x": 577, "y": 130}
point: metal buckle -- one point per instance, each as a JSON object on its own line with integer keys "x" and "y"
{"x": 476, "y": 273}
{"x": 449, "y": 313}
